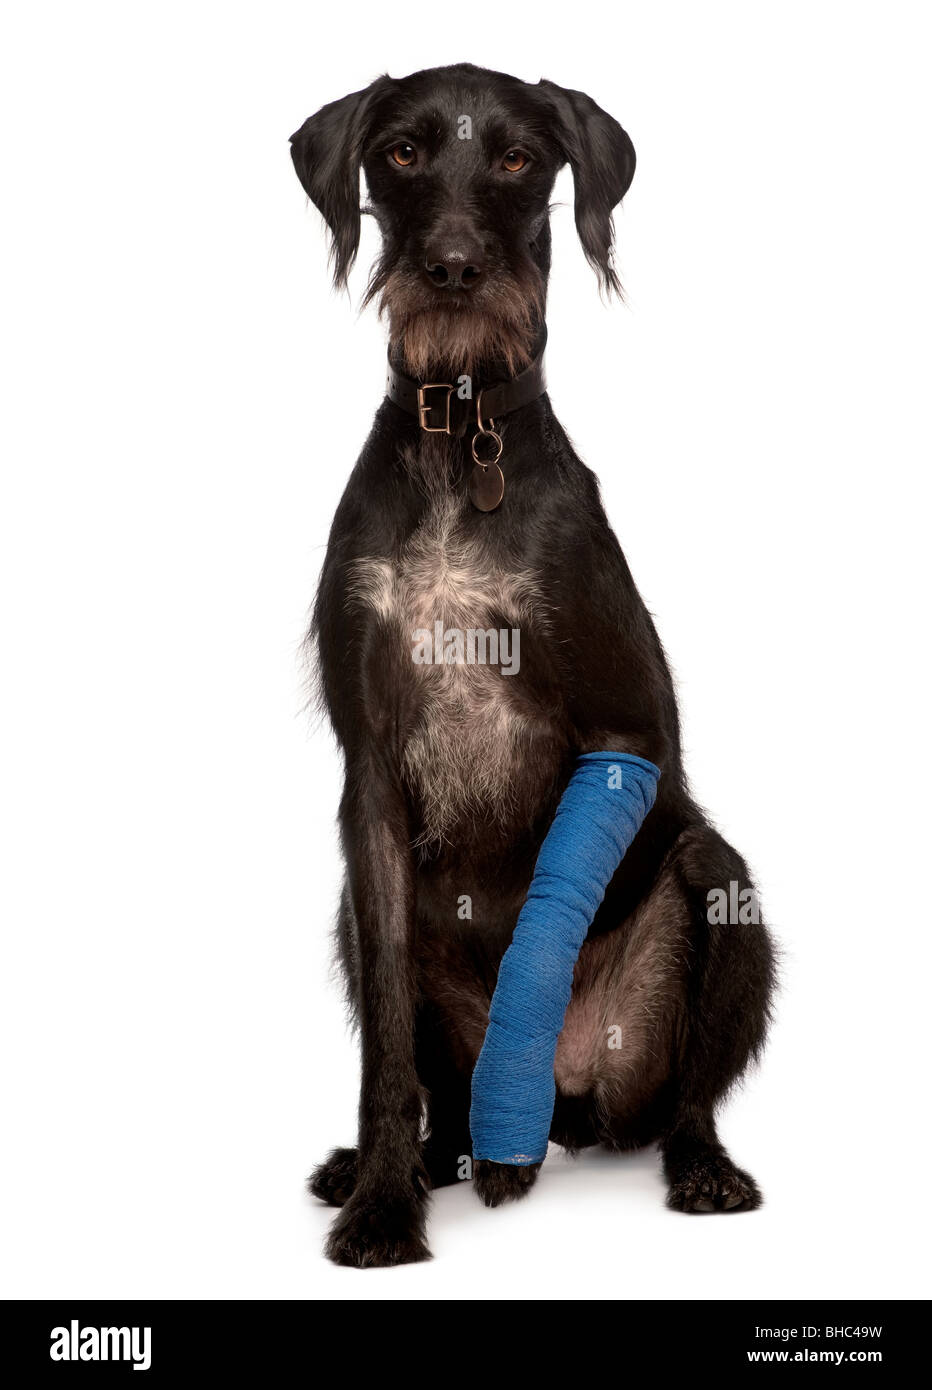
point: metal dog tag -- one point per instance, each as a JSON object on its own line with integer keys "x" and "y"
{"x": 486, "y": 486}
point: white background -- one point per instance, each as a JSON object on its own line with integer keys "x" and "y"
{"x": 181, "y": 411}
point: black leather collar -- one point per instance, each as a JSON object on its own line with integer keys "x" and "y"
{"x": 440, "y": 409}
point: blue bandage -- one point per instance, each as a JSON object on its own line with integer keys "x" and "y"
{"x": 513, "y": 1089}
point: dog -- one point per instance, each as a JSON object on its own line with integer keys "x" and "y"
{"x": 458, "y": 519}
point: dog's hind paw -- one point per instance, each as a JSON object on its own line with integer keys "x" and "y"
{"x": 710, "y": 1182}
{"x": 333, "y": 1181}
{"x": 496, "y": 1183}
{"x": 371, "y": 1233}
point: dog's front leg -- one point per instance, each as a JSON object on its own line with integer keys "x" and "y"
{"x": 383, "y": 1221}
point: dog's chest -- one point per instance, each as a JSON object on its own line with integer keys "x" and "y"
{"x": 460, "y": 619}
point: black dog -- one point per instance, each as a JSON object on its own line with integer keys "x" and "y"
{"x": 454, "y": 768}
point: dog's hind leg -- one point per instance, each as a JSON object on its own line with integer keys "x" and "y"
{"x": 722, "y": 1028}
{"x": 666, "y": 1013}
{"x": 447, "y": 1146}
{"x": 334, "y": 1179}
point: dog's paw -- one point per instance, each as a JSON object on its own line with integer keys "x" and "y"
{"x": 372, "y": 1232}
{"x": 333, "y": 1181}
{"x": 496, "y": 1183}
{"x": 711, "y": 1182}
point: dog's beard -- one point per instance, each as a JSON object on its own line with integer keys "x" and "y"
{"x": 495, "y": 328}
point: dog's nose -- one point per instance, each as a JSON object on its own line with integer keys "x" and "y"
{"x": 457, "y": 267}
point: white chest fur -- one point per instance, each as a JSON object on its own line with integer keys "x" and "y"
{"x": 473, "y": 727}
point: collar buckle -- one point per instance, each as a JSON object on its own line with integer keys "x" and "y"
{"x": 424, "y": 407}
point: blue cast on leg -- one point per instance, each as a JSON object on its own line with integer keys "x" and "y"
{"x": 513, "y": 1090}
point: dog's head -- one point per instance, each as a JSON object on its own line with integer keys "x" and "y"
{"x": 460, "y": 165}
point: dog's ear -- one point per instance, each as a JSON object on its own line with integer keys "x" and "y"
{"x": 327, "y": 153}
{"x": 602, "y": 158}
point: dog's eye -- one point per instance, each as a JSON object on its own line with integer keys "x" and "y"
{"x": 405, "y": 155}
{"x": 513, "y": 161}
